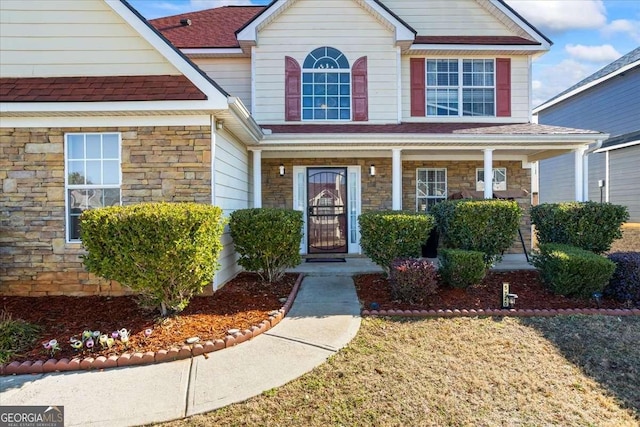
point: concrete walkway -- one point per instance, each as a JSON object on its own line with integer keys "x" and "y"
{"x": 324, "y": 318}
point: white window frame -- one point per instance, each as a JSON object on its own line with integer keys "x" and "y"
{"x": 338, "y": 71}
{"x": 460, "y": 87}
{"x": 429, "y": 197}
{"x": 69, "y": 187}
{"x": 498, "y": 184}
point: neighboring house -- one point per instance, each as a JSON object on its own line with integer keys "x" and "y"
{"x": 329, "y": 107}
{"x": 609, "y": 101}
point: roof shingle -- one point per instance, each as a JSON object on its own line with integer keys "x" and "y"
{"x": 211, "y": 28}
{"x": 96, "y": 89}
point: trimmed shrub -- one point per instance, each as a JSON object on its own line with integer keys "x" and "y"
{"x": 267, "y": 239}
{"x": 387, "y": 235}
{"x": 571, "y": 271}
{"x": 624, "y": 285}
{"x": 412, "y": 279}
{"x": 167, "y": 252}
{"x": 460, "y": 268}
{"x": 16, "y": 336}
{"x": 488, "y": 226}
{"x": 590, "y": 226}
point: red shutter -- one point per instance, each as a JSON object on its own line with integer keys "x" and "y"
{"x": 292, "y": 90}
{"x": 503, "y": 87}
{"x": 359, "y": 90}
{"x": 418, "y": 102}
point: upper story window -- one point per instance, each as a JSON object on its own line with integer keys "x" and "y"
{"x": 326, "y": 85}
{"x": 460, "y": 87}
{"x": 93, "y": 175}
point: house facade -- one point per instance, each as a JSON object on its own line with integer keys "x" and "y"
{"x": 609, "y": 101}
{"x": 332, "y": 108}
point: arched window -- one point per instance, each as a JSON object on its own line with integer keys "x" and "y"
{"x": 326, "y": 85}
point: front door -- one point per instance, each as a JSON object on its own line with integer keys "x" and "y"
{"x": 327, "y": 210}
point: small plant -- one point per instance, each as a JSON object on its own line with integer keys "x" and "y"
{"x": 461, "y": 268}
{"x": 571, "y": 271}
{"x": 488, "y": 226}
{"x": 167, "y": 252}
{"x": 267, "y": 239}
{"x": 624, "y": 285}
{"x": 590, "y": 226}
{"x": 16, "y": 336}
{"x": 51, "y": 347}
{"x": 387, "y": 235}
{"x": 412, "y": 279}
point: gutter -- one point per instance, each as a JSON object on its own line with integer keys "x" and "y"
{"x": 246, "y": 120}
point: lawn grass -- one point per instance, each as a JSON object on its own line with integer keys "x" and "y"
{"x": 562, "y": 371}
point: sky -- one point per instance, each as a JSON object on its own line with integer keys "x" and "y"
{"x": 587, "y": 34}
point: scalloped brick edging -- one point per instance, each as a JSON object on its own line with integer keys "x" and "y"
{"x": 504, "y": 312}
{"x": 160, "y": 356}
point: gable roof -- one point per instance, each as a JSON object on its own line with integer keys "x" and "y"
{"x": 210, "y": 28}
{"x": 619, "y": 66}
{"x": 231, "y": 26}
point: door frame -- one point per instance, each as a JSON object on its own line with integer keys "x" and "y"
{"x": 354, "y": 203}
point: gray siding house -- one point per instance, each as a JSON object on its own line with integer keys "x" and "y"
{"x": 607, "y": 101}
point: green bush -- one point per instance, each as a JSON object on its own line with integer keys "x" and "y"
{"x": 167, "y": 252}
{"x": 488, "y": 226}
{"x": 587, "y": 225}
{"x": 16, "y": 336}
{"x": 267, "y": 239}
{"x": 460, "y": 268}
{"x": 571, "y": 271}
{"x": 412, "y": 279}
{"x": 624, "y": 285}
{"x": 387, "y": 235}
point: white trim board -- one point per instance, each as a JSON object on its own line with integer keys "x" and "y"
{"x": 103, "y": 121}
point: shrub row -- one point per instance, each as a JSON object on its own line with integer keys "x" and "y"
{"x": 166, "y": 252}
{"x": 388, "y": 235}
{"x": 488, "y": 226}
{"x": 587, "y": 225}
{"x": 571, "y": 271}
{"x": 267, "y": 240}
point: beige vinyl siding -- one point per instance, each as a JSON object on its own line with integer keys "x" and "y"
{"x": 231, "y": 193}
{"x": 624, "y": 175}
{"x": 233, "y": 74}
{"x": 448, "y": 18}
{"x": 519, "y": 91}
{"x": 309, "y": 24}
{"x": 54, "y": 38}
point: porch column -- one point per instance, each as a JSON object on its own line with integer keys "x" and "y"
{"x": 578, "y": 154}
{"x": 488, "y": 173}
{"x": 257, "y": 178}
{"x": 396, "y": 179}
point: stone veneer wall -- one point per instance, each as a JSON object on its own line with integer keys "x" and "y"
{"x": 158, "y": 164}
{"x": 277, "y": 191}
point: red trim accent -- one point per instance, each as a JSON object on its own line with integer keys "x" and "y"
{"x": 418, "y": 101}
{"x": 360, "y": 91}
{"x": 292, "y": 90}
{"x": 503, "y": 87}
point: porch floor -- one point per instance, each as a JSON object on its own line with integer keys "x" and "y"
{"x": 362, "y": 265}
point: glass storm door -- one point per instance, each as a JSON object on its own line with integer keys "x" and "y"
{"x": 327, "y": 210}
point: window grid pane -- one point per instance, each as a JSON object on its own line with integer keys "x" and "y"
{"x": 451, "y": 81}
{"x": 431, "y": 188}
{"x": 93, "y": 175}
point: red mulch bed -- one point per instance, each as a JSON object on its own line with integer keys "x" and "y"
{"x": 525, "y": 283}
{"x": 240, "y": 304}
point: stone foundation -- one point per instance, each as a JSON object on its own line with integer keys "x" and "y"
{"x": 158, "y": 164}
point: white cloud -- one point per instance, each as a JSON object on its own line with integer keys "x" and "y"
{"x": 552, "y": 79}
{"x": 562, "y": 15}
{"x": 603, "y": 53}
{"x": 626, "y": 26}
